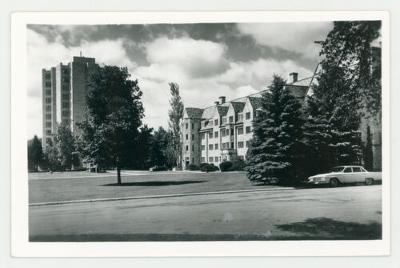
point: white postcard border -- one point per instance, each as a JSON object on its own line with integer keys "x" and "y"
{"x": 21, "y": 247}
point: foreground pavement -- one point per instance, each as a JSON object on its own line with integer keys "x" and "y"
{"x": 282, "y": 214}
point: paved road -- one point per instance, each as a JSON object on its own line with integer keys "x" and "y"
{"x": 319, "y": 213}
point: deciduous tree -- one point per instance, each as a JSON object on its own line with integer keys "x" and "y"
{"x": 175, "y": 117}
{"x": 114, "y": 114}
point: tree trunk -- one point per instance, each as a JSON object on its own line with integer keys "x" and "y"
{"x": 119, "y": 175}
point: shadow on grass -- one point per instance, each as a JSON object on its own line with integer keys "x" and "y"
{"x": 153, "y": 183}
{"x": 325, "y": 227}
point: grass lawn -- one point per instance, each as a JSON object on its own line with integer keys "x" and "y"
{"x": 67, "y": 186}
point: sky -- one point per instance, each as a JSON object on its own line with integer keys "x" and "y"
{"x": 206, "y": 60}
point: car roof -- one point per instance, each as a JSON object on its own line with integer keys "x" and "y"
{"x": 347, "y": 166}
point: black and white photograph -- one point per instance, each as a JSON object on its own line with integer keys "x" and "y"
{"x": 208, "y": 131}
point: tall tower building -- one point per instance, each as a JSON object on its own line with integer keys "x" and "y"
{"x": 80, "y": 69}
{"x": 48, "y": 104}
{"x": 64, "y": 90}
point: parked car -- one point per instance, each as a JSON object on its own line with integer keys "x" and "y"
{"x": 158, "y": 168}
{"x": 345, "y": 174}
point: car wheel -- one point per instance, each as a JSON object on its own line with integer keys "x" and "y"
{"x": 369, "y": 181}
{"x": 333, "y": 182}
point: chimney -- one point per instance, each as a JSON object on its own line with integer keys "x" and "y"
{"x": 222, "y": 99}
{"x": 294, "y": 76}
{"x": 216, "y": 102}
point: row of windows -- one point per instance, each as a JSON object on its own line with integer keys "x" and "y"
{"x": 240, "y": 118}
{"x": 225, "y": 132}
{"x": 210, "y": 123}
{"x": 217, "y": 159}
{"x": 211, "y": 159}
{"x": 187, "y": 136}
{"x": 187, "y": 148}
{"x": 225, "y": 145}
{"x": 187, "y": 125}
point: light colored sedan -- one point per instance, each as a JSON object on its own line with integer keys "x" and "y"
{"x": 345, "y": 174}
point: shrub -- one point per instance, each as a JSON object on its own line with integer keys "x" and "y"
{"x": 226, "y": 166}
{"x": 193, "y": 167}
{"x": 236, "y": 165}
{"x": 205, "y": 167}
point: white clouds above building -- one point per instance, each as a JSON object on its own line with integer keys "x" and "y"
{"x": 205, "y": 60}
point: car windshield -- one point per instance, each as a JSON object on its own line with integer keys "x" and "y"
{"x": 337, "y": 169}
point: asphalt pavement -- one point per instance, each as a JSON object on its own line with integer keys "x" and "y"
{"x": 273, "y": 214}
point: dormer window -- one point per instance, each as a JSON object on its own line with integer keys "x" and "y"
{"x": 224, "y": 120}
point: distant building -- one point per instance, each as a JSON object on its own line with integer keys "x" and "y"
{"x": 222, "y": 132}
{"x": 64, "y": 95}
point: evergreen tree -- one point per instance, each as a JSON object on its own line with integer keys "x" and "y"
{"x": 277, "y": 151}
{"x": 52, "y": 157}
{"x": 65, "y": 143}
{"x": 35, "y": 154}
{"x": 114, "y": 114}
{"x": 318, "y": 138}
{"x": 175, "y": 117}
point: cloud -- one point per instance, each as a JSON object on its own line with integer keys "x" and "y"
{"x": 197, "y": 58}
{"x": 297, "y": 37}
{"x": 259, "y": 73}
{"x": 204, "y": 67}
{"x": 45, "y": 54}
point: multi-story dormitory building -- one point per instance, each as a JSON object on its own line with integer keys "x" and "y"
{"x": 64, "y": 95}
{"x": 222, "y": 132}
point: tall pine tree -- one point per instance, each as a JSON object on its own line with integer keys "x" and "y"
{"x": 276, "y": 151}
{"x": 317, "y": 137}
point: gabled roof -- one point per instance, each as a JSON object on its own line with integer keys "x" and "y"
{"x": 237, "y": 106}
{"x": 208, "y": 112}
{"x": 222, "y": 110}
{"x": 255, "y": 102}
{"x": 305, "y": 82}
{"x": 297, "y": 91}
{"x": 193, "y": 112}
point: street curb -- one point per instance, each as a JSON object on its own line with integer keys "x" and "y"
{"x": 151, "y": 197}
